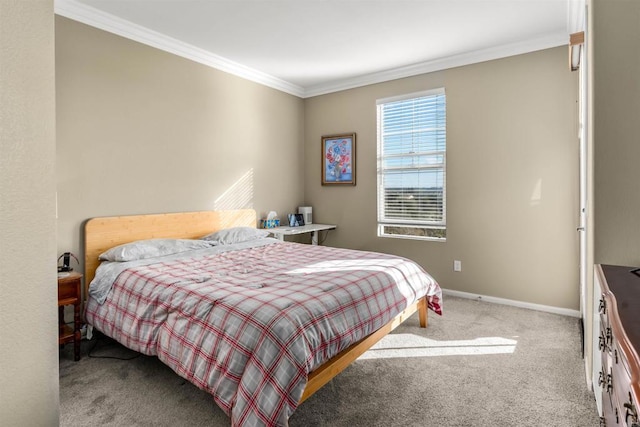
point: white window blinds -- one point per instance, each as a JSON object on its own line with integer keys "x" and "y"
{"x": 412, "y": 142}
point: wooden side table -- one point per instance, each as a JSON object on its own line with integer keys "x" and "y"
{"x": 69, "y": 294}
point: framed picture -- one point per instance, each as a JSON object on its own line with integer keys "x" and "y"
{"x": 339, "y": 159}
{"x": 296, "y": 220}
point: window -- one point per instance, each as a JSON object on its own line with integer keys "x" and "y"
{"x": 412, "y": 142}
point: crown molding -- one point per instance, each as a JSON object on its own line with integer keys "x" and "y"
{"x": 88, "y": 15}
{"x": 85, "y": 14}
{"x": 512, "y": 49}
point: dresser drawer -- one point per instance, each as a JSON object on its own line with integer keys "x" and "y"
{"x": 69, "y": 288}
{"x": 610, "y": 411}
{"x": 619, "y": 371}
{"x": 67, "y": 291}
{"x": 619, "y": 341}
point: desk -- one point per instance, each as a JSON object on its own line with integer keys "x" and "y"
{"x": 280, "y": 232}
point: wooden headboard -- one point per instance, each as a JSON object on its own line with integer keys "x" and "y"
{"x": 104, "y": 233}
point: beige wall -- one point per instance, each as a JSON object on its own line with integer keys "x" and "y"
{"x": 144, "y": 131}
{"x": 140, "y": 130}
{"x": 616, "y": 98}
{"x": 28, "y": 311}
{"x": 512, "y": 177}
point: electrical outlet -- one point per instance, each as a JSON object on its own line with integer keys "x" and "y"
{"x": 457, "y": 265}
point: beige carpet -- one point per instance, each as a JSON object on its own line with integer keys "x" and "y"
{"x": 480, "y": 364}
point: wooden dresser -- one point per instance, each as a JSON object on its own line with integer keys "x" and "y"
{"x": 619, "y": 345}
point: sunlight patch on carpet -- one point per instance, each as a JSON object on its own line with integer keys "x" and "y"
{"x": 410, "y": 345}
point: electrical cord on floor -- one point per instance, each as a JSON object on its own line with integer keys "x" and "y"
{"x": 106, "y": 343}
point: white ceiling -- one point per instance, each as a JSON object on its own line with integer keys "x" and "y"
{"x": 310, "y": 47}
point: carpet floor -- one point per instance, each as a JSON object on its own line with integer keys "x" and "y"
{"x": 480, "y": 364}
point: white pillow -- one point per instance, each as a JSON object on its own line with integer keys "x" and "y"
{"x": 229, "y": 236}
{"x": 143, "y": 249}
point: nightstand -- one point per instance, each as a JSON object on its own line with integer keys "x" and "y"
{"x": 69, "y": 294}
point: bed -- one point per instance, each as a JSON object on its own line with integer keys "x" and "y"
{"x": 259, "y": 323}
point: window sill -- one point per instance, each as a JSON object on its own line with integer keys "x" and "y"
{"x": 405, "y": 237}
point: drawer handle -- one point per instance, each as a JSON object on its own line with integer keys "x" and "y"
{"x": 601, "y": 342}
{"x": 609, "y": 335}
{"x": 630, "y": 410}
{"x": 605, "y": 381}
{"x": 602, "y": 307}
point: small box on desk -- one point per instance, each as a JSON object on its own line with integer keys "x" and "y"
{"x": 269, "y": 223}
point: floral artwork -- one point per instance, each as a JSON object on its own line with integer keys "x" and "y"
{"x": 338, "y": 159}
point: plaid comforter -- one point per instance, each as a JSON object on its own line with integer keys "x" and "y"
{"x": 248, "y": 326}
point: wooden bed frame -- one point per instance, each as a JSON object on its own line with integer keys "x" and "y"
{"x": 106, "y": 232}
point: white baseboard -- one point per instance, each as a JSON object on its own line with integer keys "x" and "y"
{"x": 514, "y": 303}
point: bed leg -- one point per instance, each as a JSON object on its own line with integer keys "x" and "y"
{"x": 422, "y": 312}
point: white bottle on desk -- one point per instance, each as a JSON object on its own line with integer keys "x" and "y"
{"x": 306, "y": 212}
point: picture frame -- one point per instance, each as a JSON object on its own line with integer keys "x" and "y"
{"x": 339, "y": 159}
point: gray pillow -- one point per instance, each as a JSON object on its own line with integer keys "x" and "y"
{"x": 143, "y": 249}
{"x": 233, "y": 235}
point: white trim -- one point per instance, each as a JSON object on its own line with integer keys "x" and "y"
{"x": 428, "y": 96}
{"x": 514, "y": 303}
{"x": 408, "y": 237}
{"x": 85, "y": 14}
